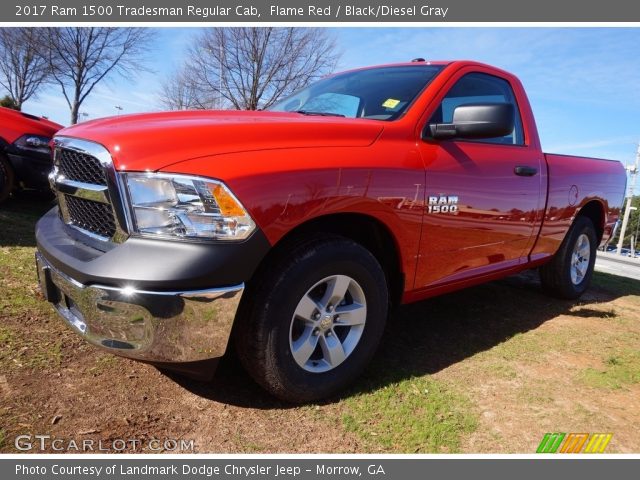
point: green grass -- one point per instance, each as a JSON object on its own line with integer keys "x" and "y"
{"x": 3, "y": 438}
{"x": 616, "y": 285}
{"x": 17, "y": 351}
{"x": 245, "y": 445}
{"x": 20, "y": 295}
{"x": 412, "y": 415}
{"x": 21, "y": 301}
{"x": 103, "y": 363}
{"x": 533, "y": 346}
{"x": 502, "y": 369}
{"x": 48, "y": 356}
{"x": 7, "y": 340}
{"x": 20, "y": 352}
{"x": 520, "y": 346}
{"x": 22, "y": 211}
{"x": 533, "y": 392}
{"x": 17, "y": 241}
{"x": 618, "y": 371}
{"x": 6, "y": 337}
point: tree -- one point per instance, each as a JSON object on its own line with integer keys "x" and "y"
{"x": 180, "y": 92}
{"x": 253, "y": 67}
{"x": 23, "y": 62}
{"x": 8, "y": 102}
{"x": 82, "y": 57}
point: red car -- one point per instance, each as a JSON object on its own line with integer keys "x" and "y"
{"x": 25, "y": 155}
{"x": 293, "y": 231}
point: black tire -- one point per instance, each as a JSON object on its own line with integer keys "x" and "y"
{"x": 7, "y": 179}
{"x": 556, "y": 276}
{"x": 265, "y": 325}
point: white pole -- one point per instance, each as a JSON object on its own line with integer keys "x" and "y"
{"x": 625, "y": 221}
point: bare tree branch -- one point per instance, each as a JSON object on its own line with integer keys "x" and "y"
{"x": 24, "y": 67}
{"x": 179, "y": 92}
{"x": 251, "y": 68}
{"x": 82, "y": 57}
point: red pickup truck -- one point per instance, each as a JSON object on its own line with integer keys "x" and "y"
{"x": 293, "y": 231}
{"x": 25, "y": 156}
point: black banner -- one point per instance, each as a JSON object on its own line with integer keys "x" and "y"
{"x": 313, "y": 11}
{"x": 316, "y": 468}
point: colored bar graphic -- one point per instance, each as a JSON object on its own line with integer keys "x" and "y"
{"x": 598, "y": 442}
{"x": 567, "y": 446}
{"x": 581, "y": 442}
{"x": 573, "y": 442}
{"x": 550, "y": 442}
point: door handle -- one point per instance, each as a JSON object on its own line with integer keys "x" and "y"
{"x": 525, "y": 171}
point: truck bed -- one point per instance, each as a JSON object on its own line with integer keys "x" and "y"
{"x": 573, "y": 182}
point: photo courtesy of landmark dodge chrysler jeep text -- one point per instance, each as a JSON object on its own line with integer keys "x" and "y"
{"x": 291, "y": 232}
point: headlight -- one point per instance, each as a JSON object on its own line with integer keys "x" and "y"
{"x": 36, "y": 143}
{"x": 186, "y": 207}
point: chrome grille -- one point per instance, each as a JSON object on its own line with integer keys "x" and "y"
{"x": 80, "y": 167}
{"x": 94, "y": 217}
{"x": 89, "y": 193}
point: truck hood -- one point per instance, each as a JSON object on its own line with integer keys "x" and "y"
{"x": 155, "y": 140}
{"x": 15, "y": 124}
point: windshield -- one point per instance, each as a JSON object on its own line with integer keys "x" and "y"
{"x": 382, "y": 93}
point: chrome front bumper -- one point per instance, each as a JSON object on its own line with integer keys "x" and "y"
{"x": 161, "y": 327}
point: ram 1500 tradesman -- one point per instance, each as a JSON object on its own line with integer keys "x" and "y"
{"x": 292, "y": 231}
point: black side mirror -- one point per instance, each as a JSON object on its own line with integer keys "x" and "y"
{"x": 486, "y": 120}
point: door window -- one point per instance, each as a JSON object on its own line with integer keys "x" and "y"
{"x": 476, "y": 88}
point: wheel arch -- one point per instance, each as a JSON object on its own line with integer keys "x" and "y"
{"x": 594, "y": 210}
{"x": 363, "y": 229}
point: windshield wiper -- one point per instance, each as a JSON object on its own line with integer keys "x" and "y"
{"x": 321, "y": 114}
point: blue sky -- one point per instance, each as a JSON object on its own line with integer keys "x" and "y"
{"x": 583, "y": 83}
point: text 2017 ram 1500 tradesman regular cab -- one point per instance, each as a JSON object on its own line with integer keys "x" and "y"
{"x": 292, "y": 231}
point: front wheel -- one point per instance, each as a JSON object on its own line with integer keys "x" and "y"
{"x": 569, "y": 274}
{"x": 314, "y": 320}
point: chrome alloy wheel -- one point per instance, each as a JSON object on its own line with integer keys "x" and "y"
{"x": 580, "y": 259}
{"x": 328, "y": 323}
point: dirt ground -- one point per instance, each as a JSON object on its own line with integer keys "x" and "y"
{"x": 490, "y": 369}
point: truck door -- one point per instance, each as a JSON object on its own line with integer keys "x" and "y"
{"x": 483, "y": 196}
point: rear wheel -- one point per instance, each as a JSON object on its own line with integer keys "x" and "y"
{"x": 569, "y": 274}
{"x": 7, "y": 179}
{"x": 314, "y": 321}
